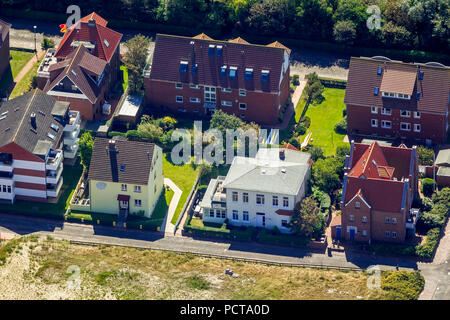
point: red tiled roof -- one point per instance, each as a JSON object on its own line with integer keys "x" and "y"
{"x": 363, "y": 79}
{"x": 98, "y": 20}
{"x": 282, "y": 212}
{"x": 171, "y": 50}
{"x": 377, "y": 174}
{"x": 238, "y": 40}
{"x": 289, "y": 146}
{"x": 203, "y": 36}
{"x": 105, "y": 39}
{"x": 277, "y": 44}
{"x": 78, "y": 67}
{"x": 397, "y": 80}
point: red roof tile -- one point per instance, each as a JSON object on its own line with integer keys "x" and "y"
{"x": 289, "y": 146}
{"x": 171, "y": 50}
{"x": 98, "y": 20}
{"x": 105, "y": 39}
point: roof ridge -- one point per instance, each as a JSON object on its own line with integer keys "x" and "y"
{"x": 24, "y": 114}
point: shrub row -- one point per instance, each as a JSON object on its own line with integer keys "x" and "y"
{"x": 222, "y": 233}
{"x": 426, "y": 250}
{"x": 333, "y": 83}
{"x": 268, "y": 237}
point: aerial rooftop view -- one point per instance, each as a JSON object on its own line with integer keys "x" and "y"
{"x": 240, "y": 150}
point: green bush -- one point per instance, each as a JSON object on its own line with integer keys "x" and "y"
{"x": 267, "y": 236}
{"x": 295, "y": 80}
{"x": 341, "y": 126}
{"x": 402, "y": 285}
{"x": 426, "y": 156}
{"x": 116, "y": 133}
{"x": 306, "y": 121}
{"x": 426, "y": 250}
{"x": 133, "y": 134}
{"x": 427, "y": 187}
{"x": 300, "y": 129}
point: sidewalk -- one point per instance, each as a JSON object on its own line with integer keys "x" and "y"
{"x": 167, "y": 226}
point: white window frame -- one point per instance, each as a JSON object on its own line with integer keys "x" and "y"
{"x": 245, "y": 197}
{"x": 194, "y": 86}
{"x": 245, "y": 215}
{"x": 408, "y": 126}
{"x": 394, "y": 235}
{"x": 374, "y": 123}
{"x": 242, "y": 92}
{"x": 240, "y": 108}
{"x": 387, "y": 220}
{"x": 176, "y": 99}
{"x": 406, "y": 115}
{"x": 262, "y": 198}
{"x": 233, "y": 217}
{"x": 210, "y": 94}
{"x": 364, "y": 219}
{"x": 137, "y": 189}
{"x": 233, "y": 194}
{"x": 351, "y": 218}
{"x": 124, "y": 187}
{"x": 374, "y": 110}
{"x": 384, "y": 124}
{"x": 194, "y": 100}
{"x": 178, "y": 85}
{"x": 364, "y": 233}
{"x": 387, "y": 234}
{"x": 227, "y": 90}
{"x": 226, "y": 103}
{"x": 417, "y": 114}
{"x": 417, "y": 127}
{"x": 386, "y": 111}
{"x": 275, "y": 201}
{"x": 285, "y": 204}
{"x": 394, "y": 220}
{"x": 137, "y": 203}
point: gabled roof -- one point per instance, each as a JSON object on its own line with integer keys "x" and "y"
{"x": 16, "y": 125}
{"x": 443, "y": 158}
{"x": 105, "y": 39}
{"x": 203, "y": 36}
{"x": 78, "y": 67}
{"x": 238, "y": 40}
{"x": 289, "y": 146}
{"x": 170, "y": 51}
{"x": 363, "y": 78}
{"x": 277, "y": 44}
{"x": 4, "y": 28}
{"x": 378, "y": 174}
{"x": 135, "y": 157}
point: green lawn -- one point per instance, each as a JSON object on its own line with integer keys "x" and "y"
{"x": 183, "y": 176}
{"x": 71, "y": 175}
{"x": 323, "y": 118}
{"x": 125, "y": 77}
{"x": 24, "y": 85}
{"x": 19, "y": 60}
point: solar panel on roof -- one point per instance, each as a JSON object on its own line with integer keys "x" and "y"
{"x": 418, "y": 95}
{"x": 265, "y": 76}
{"x": 122, "y": 167}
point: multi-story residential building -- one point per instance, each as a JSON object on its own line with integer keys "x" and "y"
{"x": 91, "y": 31}
{"x": 380, "y": 184}
{"x": 81, "y": 79}
{"x": 4, "y": 46}
{"x": 199, "y": 75}
{"x": 125, "y": 177}
{"x": 387, "y": 98}
{"x": 260, "y": 191}
{"x": 33, "y": 128}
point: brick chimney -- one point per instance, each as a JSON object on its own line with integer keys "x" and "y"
{"x": 33, "y": 120}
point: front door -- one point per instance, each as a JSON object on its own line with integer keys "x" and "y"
{"x": 352, "y": 234}
{"x": 123, "y": 205}
{"x": 260, "y": 219}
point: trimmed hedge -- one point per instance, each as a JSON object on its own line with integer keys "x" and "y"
{"x": 426, "y": 250}
{"x": 221, "y": 231}
{"x": 267, "y": 237}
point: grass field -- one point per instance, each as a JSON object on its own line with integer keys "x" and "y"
{"x": 37, "y": 268}
{"x": 19, "y": 60}
{"x": 183, "y": 176}
{"x": 323, "y": 118}
{"x": 24, "y": 85}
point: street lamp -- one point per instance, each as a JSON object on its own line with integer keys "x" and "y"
{"x": 35, "y": 45}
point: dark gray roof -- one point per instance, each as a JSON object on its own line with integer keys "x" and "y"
{"x": 15, "y": 123}
{"x": 135, "y": 156}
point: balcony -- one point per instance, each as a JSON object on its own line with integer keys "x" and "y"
{"x": 70, "y": 137}
{"x": 70, "y": 152}
{"x": 53, "y": 176}
{"x": 53, "y": 190}
{"x": 6, "y": 167}
{"x": 74, "y": 122}
{"x": 54, "y": 160}
{"x": 6, "y": 179}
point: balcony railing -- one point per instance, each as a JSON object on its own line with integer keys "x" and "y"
{"x": 54, "y": 160}
{"x": 52, "y": 191}
{"x": 74, "y": 121}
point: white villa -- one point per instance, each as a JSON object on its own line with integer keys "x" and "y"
{"x": 260, "y": 191}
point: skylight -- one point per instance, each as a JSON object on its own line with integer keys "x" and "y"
{"x": 194, "y": 68}
{"x": 54, "y": 127}
{"x": 211, "y": 50}
{"x": 223, "y": 71}
{"x": 219, "y": 51}
{"x": 106, "y": 43}
{"x": 248, "y": 74}
{"x": 51, "y": 136}
{"x": 183, "y": 66}
{"x": 379, "y": 70}
{"x": 74, "y": 73}
{"x": 233, "y": 71}
{"x": 375, "y": 91}
{"x": 420, "y": 75}
{"x": 122, "y": 167}
{"x": 265, "y": 76}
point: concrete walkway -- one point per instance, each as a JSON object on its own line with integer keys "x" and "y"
{"x": 29, "y": 65}
{"x": 167, "y": 226}
{"x": 298, "y": 93}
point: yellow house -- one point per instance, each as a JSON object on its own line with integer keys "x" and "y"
{"x": 125, "y": 177}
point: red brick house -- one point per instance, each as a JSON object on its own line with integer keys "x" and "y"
{"x": 199, "y": 75}
{"x": 102, "y": 42}
{"x": 80, "y": 79}
{"x": 4, "y": 46}
{"x": 387, "y": 98}
{"x": 380, "y": 184}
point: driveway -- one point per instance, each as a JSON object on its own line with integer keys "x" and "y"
{"x": 167, "y": 226}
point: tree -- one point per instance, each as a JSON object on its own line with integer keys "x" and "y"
{"x": 223, "y": 121}
{"x": 151, "y": 131}
{"x": 47, "y": 43}
{"x": 395, "y": 35}
{"x": 325, "y": 174}
{"x": 314, "y": 88}
{"x": 270, "y": 16}
{"x": 316, "y": 153}
{"x": 135, "y": 59}
{"x": 314, "y": 18}
{"x": 86, "y": 145}
{"x": 306, "y": 218}
{"x": 342, "y": 152}
{"x": 428, "y": 187}
{"x": 426, "y": 156}
{"x": 341, "y": 126}
{"x": 344, "y": 32}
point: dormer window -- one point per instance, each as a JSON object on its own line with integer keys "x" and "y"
{"x": 194, "y": 68}
{"x": 248, "y": 74}
{"x": 183, "y": 66}
{"x": 219, "y": 51}
{"x": 211, "y": 50}
{"x": 233, "y": 72}
{"x": 223, "y": 71}
{"x": 265, "y": 76}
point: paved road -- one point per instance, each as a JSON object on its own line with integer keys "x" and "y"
{"x": 303, "y": 61}
{"x": 107, "y": 235}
